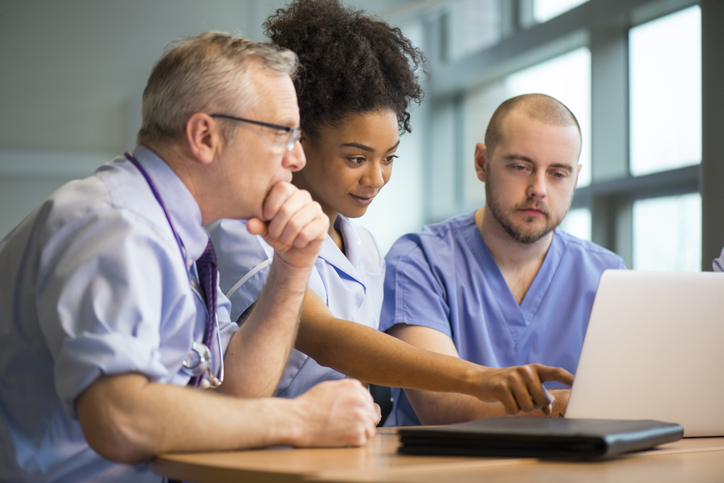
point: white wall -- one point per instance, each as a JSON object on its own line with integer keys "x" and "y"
{"x": 399, "y": 208}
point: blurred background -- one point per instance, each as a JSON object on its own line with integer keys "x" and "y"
{"x": 643, "y": 77}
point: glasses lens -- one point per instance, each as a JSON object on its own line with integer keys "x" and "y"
{"x": 294, "y": 136}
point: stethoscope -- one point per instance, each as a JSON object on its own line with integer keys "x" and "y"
{"x": 198, "y": 360}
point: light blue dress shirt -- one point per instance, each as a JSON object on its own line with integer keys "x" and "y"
{"x": 445, "y": 278}
{"x": 94, "y": 284}
{"x": 350, "y": 285}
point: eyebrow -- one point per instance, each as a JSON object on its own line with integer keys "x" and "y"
{"x": 364, "y": 147}
{"x": 520, "y": 157}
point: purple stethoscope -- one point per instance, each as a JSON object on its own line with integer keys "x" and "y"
{"x": 198, "y": 360}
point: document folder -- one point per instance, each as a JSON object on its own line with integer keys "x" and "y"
{"x": 557, "y": 438}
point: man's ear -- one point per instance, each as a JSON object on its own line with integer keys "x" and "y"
{"x": 204, "y": 137}
{"x": 481, "y": 156}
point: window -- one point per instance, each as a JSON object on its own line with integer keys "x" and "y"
{"x": 665, "y": 92}
{"x": 632, "y": 74}
{"x": 578, "y": 223}
{"x": 474, "y": 25}
{"x": 544, "y": 10}
{"x": 667, "y": 233}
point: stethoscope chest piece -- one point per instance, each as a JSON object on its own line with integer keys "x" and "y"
{"x": 197, "y": 361}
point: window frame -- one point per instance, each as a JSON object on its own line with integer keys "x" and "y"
{"x": 602, "y": 26}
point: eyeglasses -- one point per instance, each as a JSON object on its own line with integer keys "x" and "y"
{"x": 295, "y": 133}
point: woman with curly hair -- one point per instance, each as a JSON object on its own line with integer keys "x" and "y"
{"x": 358, "y": 77}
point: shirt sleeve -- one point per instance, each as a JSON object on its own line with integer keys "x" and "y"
{"x": 244, "y": 260}
{"x": 414, "y": 294}
{"x": 109, "y": 292}
{"x": 718, "y": 264}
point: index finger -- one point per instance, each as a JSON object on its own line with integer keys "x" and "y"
{"x": 255, "y": 226}
{"x": 548, "y": 373}
{"x": 276, "y": 197}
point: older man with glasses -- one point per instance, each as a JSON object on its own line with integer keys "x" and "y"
{"x": 113, "y": 322}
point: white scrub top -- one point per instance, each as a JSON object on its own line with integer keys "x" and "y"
{"x": 350, "y": 284}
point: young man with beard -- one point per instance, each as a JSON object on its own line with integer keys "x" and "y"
{"x": 500, "y": 286}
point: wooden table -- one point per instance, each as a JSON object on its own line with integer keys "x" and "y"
{"x": 689, "y": 460}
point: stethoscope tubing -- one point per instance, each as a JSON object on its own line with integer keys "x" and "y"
{"x": 157, "y": 195}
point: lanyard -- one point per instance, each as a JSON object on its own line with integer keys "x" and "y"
{"x": 157, "y": 195}
{"x": 199, "y": 359}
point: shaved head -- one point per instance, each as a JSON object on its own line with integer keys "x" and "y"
{"x": 540, "y": 107}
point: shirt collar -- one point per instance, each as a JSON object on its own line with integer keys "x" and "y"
{"x": 182, "y": 207}
{"x": 352, "y": 241}
{"x": 334, "y": 256}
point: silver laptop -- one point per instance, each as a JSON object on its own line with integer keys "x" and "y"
{"x": 654, "y": 349}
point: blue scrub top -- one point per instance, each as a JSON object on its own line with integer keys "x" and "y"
{"x": 445, "y": 278}
{"x": 350, "y": 284}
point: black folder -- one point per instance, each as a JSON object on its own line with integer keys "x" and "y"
{"x": 557, "y": 438}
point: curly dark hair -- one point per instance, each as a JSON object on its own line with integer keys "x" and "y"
{"x": 349, "y": 62}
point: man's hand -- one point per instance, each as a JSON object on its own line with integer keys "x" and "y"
{"x": 560, "y": 398}
{"x": 520, "y": 388}
{"x": 294, "y": 225}
{"x": 336, "y": 413}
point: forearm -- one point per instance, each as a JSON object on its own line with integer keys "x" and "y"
{"x": 128, "y": 419}
{"x": 514, "y": 389}
{"x": 372, "y": 356}
{"x": 378, "y": 358}
{"x": 258, "y": 352}
{"x": 295, "y": 227}
{"x": 439, "y": 408}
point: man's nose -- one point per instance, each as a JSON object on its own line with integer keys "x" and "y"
{"x": 294, "y": 160}
{"x": 537, "y": 188}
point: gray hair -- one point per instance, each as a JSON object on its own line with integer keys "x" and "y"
{"x": 208, "y": 73}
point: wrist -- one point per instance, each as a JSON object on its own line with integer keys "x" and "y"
{"x": 474, "y": 380}
{"x": 283, "y": 272}
{"x": 293, "y": 430}
{"x": 286, "y": 279}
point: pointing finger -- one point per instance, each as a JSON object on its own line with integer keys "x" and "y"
{"x": 547, "y": 373}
